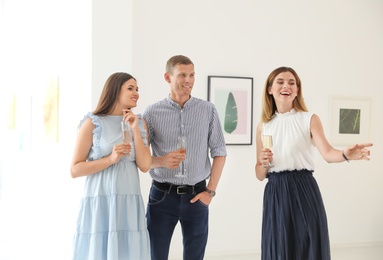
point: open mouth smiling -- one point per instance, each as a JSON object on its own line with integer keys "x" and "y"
{"x": 285, "y": 93}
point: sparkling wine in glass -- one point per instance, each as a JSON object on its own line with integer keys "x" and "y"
{"x": 267, "y": 141}
{"x": 181, "y": 147}
{"x": 127, "y": 137}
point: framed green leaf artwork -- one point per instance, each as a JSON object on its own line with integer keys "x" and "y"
{"x": 233, "y": 98}
{"x": 350, "y": 120}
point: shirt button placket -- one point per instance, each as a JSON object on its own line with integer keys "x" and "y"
{"x": 182, "y": 123}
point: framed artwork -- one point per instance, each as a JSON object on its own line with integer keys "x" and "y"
{"x": 233, "y": 98}
{"x": 350, "y": 120}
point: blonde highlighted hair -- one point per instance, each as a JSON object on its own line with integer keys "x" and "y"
{"x": 268, "y": 103}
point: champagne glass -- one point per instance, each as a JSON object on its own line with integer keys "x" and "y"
{"x": 181, "y": 147}
{"x": 127, "y": 137}
{"x": 267, "y": 141}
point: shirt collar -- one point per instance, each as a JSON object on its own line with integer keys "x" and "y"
{"x": 175, "y": 104}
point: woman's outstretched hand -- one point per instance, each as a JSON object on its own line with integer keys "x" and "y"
{"x": 358, "y": 152}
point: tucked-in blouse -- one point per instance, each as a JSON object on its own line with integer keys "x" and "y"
{"x": 292, "y": 145}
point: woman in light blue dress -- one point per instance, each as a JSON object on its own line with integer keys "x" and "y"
{"x": 111, "y": 223}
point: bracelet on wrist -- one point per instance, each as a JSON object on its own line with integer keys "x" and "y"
{"x": 345, "y": 157}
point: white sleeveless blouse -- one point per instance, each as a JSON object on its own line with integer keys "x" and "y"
{"x": 292, "y": 146}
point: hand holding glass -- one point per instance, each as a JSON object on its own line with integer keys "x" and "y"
{"x": 267, "y": 141}
{"x": 127, "y": 137}
{"x": 181, "y": 147}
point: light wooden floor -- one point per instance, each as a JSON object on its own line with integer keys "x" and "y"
{"x": 365, "y": 253}
{"x": 360, "y": 253}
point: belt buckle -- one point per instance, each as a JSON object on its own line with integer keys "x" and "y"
{"x": 181, "y": 192}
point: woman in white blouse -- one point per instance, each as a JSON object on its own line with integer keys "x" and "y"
{"x": 294, "y": 222}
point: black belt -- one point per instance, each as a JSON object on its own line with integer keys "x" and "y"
{"x": 181, "y": 189}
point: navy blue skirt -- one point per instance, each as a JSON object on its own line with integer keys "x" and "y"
{"x": 294, "y": 224}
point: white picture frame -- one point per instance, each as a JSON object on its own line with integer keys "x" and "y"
{"x": 240, "y": 89}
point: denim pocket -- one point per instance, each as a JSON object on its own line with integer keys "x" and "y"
{"x": 156, "y": 196}
{"x": 203, "y": 204}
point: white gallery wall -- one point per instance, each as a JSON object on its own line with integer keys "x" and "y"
{"x": 336, "y": 48}
{"x": 39, "y": 200}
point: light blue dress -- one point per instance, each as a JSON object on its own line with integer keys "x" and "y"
{"x": 111, "y": 223}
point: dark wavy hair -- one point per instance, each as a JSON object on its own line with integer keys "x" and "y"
{"x": 110, "y": 92}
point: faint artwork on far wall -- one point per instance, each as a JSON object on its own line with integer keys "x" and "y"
{"x": 350, "y": 120}
{"x": 10, "y": 110}
{"x": 34, "y": 116}
{"x": 233, "y": 98}
{"x": 51, "y": 110}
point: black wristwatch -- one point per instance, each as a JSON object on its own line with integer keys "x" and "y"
{"x": 211, "y": 192}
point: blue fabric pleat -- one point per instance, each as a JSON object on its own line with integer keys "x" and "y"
{"x": 111, "y": 223}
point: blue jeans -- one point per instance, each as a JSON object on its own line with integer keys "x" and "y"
{"x": 165, "y": 209}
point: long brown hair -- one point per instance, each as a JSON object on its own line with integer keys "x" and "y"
{"x": 110, "y": 92}
{"x": 268, "y": 103}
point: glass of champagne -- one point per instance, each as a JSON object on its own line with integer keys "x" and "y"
{"x": 181, "y": 147}
{"x": 127, "y": 137}
{"x": 267, "y": 141}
